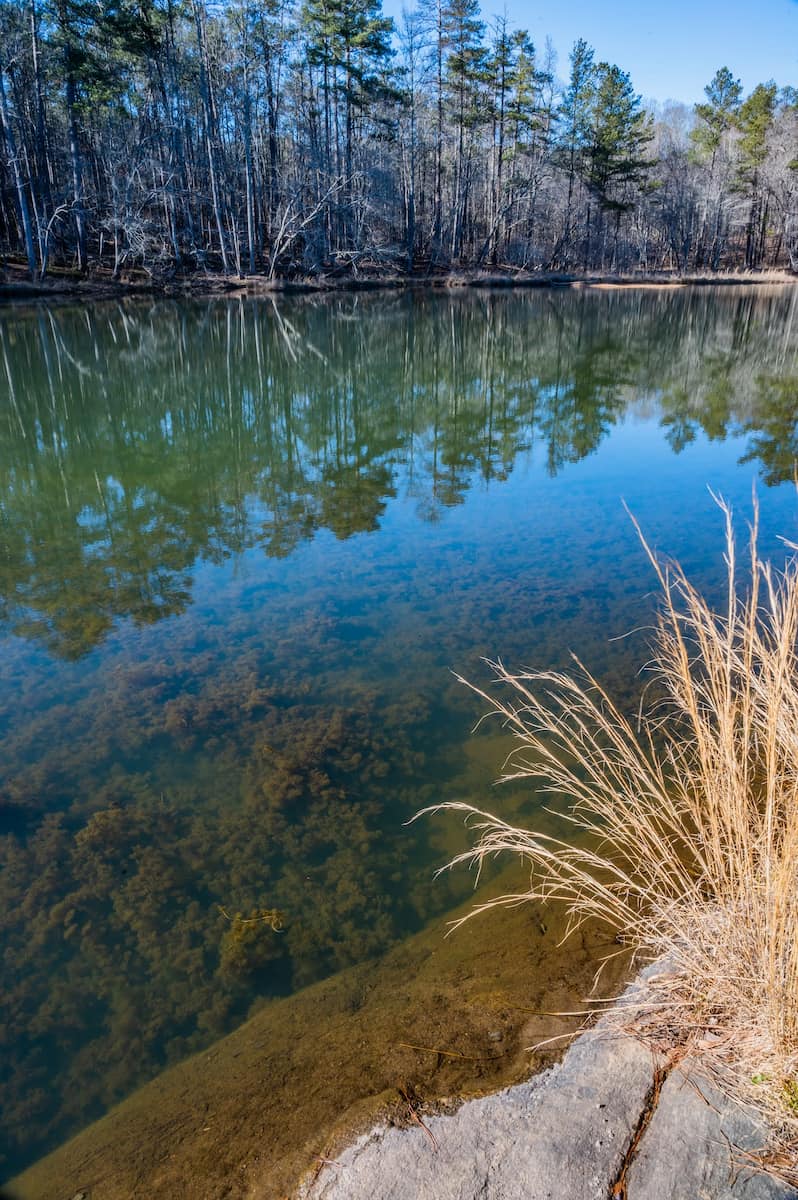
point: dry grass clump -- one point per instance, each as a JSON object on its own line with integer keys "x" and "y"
{"x": 684, "y": 835}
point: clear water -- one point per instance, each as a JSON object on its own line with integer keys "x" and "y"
{"x": 242, "y": 546}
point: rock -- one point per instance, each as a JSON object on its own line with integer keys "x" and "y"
{"x": 570, "y": 1133}
{"x": 692, "y": 1147}
{"x": 574, "y": 1122}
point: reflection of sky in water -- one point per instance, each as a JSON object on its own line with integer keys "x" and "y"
{"x": 261, "y": 746}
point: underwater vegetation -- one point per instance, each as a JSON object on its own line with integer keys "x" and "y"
{"x": 143, "y": 928}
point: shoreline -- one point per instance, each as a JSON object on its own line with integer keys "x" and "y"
{"x": 618, "y": 1117}
{"x": 68, "y": 286}
{"x": 248, "y": 1116}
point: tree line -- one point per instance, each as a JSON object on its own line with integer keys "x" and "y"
{"x": 298, "y": 137}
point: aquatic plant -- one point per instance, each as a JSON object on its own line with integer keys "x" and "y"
{"x": 143, "y": 924}
{"x": 682, "y": 827}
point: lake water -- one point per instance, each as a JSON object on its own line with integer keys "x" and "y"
{"x": 243, "y": 545}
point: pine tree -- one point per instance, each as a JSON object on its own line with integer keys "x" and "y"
{"x": 465, "y": 77}
{"x": 573, "y": 131}
{"x": 530, "y": 117}
{"x": 718, "y": 115}
{"x": 350, "y": 41}
{"x": 519, "y": 124}
{"x": 715, "y": 123}
{"x": 754, "y": 122}
{"x": 615, "y": 160}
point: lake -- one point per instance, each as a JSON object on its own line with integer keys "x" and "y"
{"x": 243, "y": 546}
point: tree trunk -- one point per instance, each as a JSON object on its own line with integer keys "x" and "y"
{"x": 248, "y": 174}
{"x": 210, "y": 130}
{"x": 77, "y": 168}
{"x": 22, "y": 199}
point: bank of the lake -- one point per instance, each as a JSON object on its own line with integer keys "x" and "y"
{"x": 618, "y": 1118}
{"x": 412, "y": 1077}
{"x": 102, "y": 285}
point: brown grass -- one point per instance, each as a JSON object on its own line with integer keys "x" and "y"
{"x": 683, "y": 832}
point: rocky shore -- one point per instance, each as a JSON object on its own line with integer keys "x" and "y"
{"x": 610, "y": 1122}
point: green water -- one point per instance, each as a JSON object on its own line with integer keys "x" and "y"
{"x": 242, "y": 546}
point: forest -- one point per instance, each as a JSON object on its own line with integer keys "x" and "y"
{"x": 296, "y": 138}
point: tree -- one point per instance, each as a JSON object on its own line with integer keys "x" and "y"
{"x": 465, "y": 73}
{"x": 349, "y": 41}
{"x": 715, "y": 123}
{"x": 531, "y": 118}
{"x": 275, "y": 34}
{"x": 614, "y": 159}
{"x": 718, "y": 115}
{"x": 754, "y": 122}
{"x": 520, "y": 124}
{"x": 573, "y": 130}
{"x": 7, "y": 46}
{"x": 414, "y": 43}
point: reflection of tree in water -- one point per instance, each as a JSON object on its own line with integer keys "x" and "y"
{"x": 683, "y": 418}
{"x": 773, "y": 427}
{"x": 140, "y": 441}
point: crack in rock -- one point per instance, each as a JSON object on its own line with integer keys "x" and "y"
{"x": 618, "y": 1186}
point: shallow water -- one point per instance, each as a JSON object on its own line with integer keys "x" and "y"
{"x": 242, "y": 546}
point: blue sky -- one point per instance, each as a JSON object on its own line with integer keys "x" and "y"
{"x": 671, "y": 50}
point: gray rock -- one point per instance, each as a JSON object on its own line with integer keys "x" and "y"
{"x": 691, "y": 1149}
{"x": 563, "y": 1134}
{"x": 568, "y": 1134}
